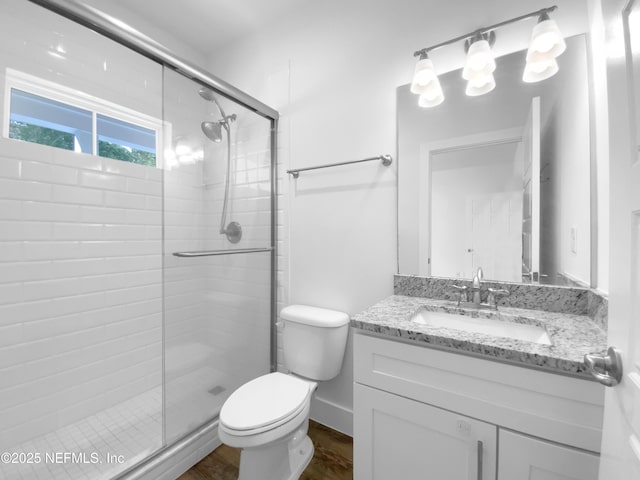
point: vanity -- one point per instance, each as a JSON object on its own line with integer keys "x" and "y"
{"x": 503, "y": 181}
{"x": 456, "y": 402}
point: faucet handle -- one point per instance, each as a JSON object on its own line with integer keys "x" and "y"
{"x": 495, "y": 294}
{"x": 461, "y": 290}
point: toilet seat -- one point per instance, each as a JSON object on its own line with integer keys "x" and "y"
{"x": 264, "y": 404}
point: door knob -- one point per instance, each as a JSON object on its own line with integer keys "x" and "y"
{"x": 606, "y": 368}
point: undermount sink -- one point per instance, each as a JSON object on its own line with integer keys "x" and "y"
{"x": 487, "y": 326}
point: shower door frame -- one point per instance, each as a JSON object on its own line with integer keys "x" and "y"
{"x": 133, "y": 39}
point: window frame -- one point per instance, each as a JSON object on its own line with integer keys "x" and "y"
{"x": 25, "y": 82}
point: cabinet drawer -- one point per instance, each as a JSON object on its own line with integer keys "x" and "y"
{"x": 525, "y": 458}
{"x": 559, "y": 408}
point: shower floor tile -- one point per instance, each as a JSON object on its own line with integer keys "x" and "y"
{"x": 97, "y": 447}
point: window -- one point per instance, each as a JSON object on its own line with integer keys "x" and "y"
{"x": 50, "y": 114}
{"x": 125, "y": 141}
{"x": 41, "y": 120}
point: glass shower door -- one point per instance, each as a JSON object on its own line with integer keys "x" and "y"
{"x": 217, "y": 252}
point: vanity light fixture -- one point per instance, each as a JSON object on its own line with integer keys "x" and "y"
{"x": 426, "y": 84}
{"x": 546, "y": 44}
{"x": 479, "y": 64}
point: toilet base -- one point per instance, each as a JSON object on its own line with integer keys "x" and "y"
{"x": 285, "y": 460}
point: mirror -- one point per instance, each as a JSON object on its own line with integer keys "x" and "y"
{"x": 500, "y": 181}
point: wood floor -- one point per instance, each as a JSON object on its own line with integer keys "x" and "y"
{"x": 333, "y": 459}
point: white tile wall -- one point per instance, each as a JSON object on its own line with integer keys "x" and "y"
{"x": 80, "y": 287}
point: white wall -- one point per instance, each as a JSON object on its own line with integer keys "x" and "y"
{"x": 331, "y": 69}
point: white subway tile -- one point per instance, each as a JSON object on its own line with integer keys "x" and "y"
{"x": 24, "y": 190}
{"x": 58, "y": 156}
{"x": 9, "y": 168}
{"x": 12, "y": 334}
{"x": 11, "y": 209}
{"x": 79, "y": 303}
{"x": 11, "y": 293}
{"x": 102, "y": 181}
{"x": 77, "y": 195}
{"x": 126, "y": 169}
{"x": 146, "y": 187}
{"x": 125, "y": 232}
{"x": 91, "y": 214}
{"x": 48, "y": 173}
{"x": 154, "y": 203}
{"x": 77, "y": 231}
{"x": 142, "y": 217}
{"x": 76, "y": 267}
{"x": 124, "y": 200}
{"x": 50, "y": 250}
{"x": 51, "y": 212}
{"x": 67, "y": 287}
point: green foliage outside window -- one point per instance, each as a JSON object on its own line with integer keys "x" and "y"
{"x": 118, "y": 152}
{"x": 56, "y": 138}
{"x": 41, "y": 135}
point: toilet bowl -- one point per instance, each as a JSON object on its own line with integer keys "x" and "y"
{"x": 268, "y": 417}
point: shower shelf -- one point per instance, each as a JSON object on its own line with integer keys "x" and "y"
{"x": 211, "y": 253}
{"x": 386, "y": 161}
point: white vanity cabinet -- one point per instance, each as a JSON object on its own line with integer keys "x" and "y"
{"x": 421, "y": 413}
{"x": 399, "y": 438}
{"x": 527, "y": 458}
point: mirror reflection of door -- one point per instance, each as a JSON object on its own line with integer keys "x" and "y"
{"x": 531, "y": 195}
{"x": 476, "y": 207}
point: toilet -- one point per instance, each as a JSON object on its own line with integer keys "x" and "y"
{"x": 268, "y": 417}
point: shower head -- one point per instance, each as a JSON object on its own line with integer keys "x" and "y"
{"x": 212, "y": 130}
{"x": 207, "y": 94}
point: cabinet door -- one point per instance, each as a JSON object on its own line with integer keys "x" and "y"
{"x": 527, "y": 458}
{"x": 398, "y": 438}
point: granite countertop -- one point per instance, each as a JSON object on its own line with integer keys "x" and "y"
{"x": 571, "y": 335}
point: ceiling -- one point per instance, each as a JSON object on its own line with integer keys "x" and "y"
{"x": 208, "y": 24}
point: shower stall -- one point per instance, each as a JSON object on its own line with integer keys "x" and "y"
{"x": 137, "y": 247}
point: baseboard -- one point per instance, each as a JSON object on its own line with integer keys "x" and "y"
{"x": 173, "y": 461}
{"x": 332, "y": 415}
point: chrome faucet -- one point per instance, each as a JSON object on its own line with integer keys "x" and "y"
{"x": 475, "y": 287}
{"x": 462, "y": 292}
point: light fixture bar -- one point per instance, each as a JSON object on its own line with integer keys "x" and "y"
{"x": 483, "y": 30}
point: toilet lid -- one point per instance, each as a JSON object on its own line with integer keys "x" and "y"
{"x": 264, "y": 401}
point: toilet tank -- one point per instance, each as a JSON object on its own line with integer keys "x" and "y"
{"x": 314, "y": 340}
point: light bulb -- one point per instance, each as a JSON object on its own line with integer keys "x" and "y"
{"x": 538, "y": 71}
{"x": 480, "y": 85}
{"x": 546, "y": 41}
{"x": 424, "y": 75}
{"x": 479, "y": 60}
